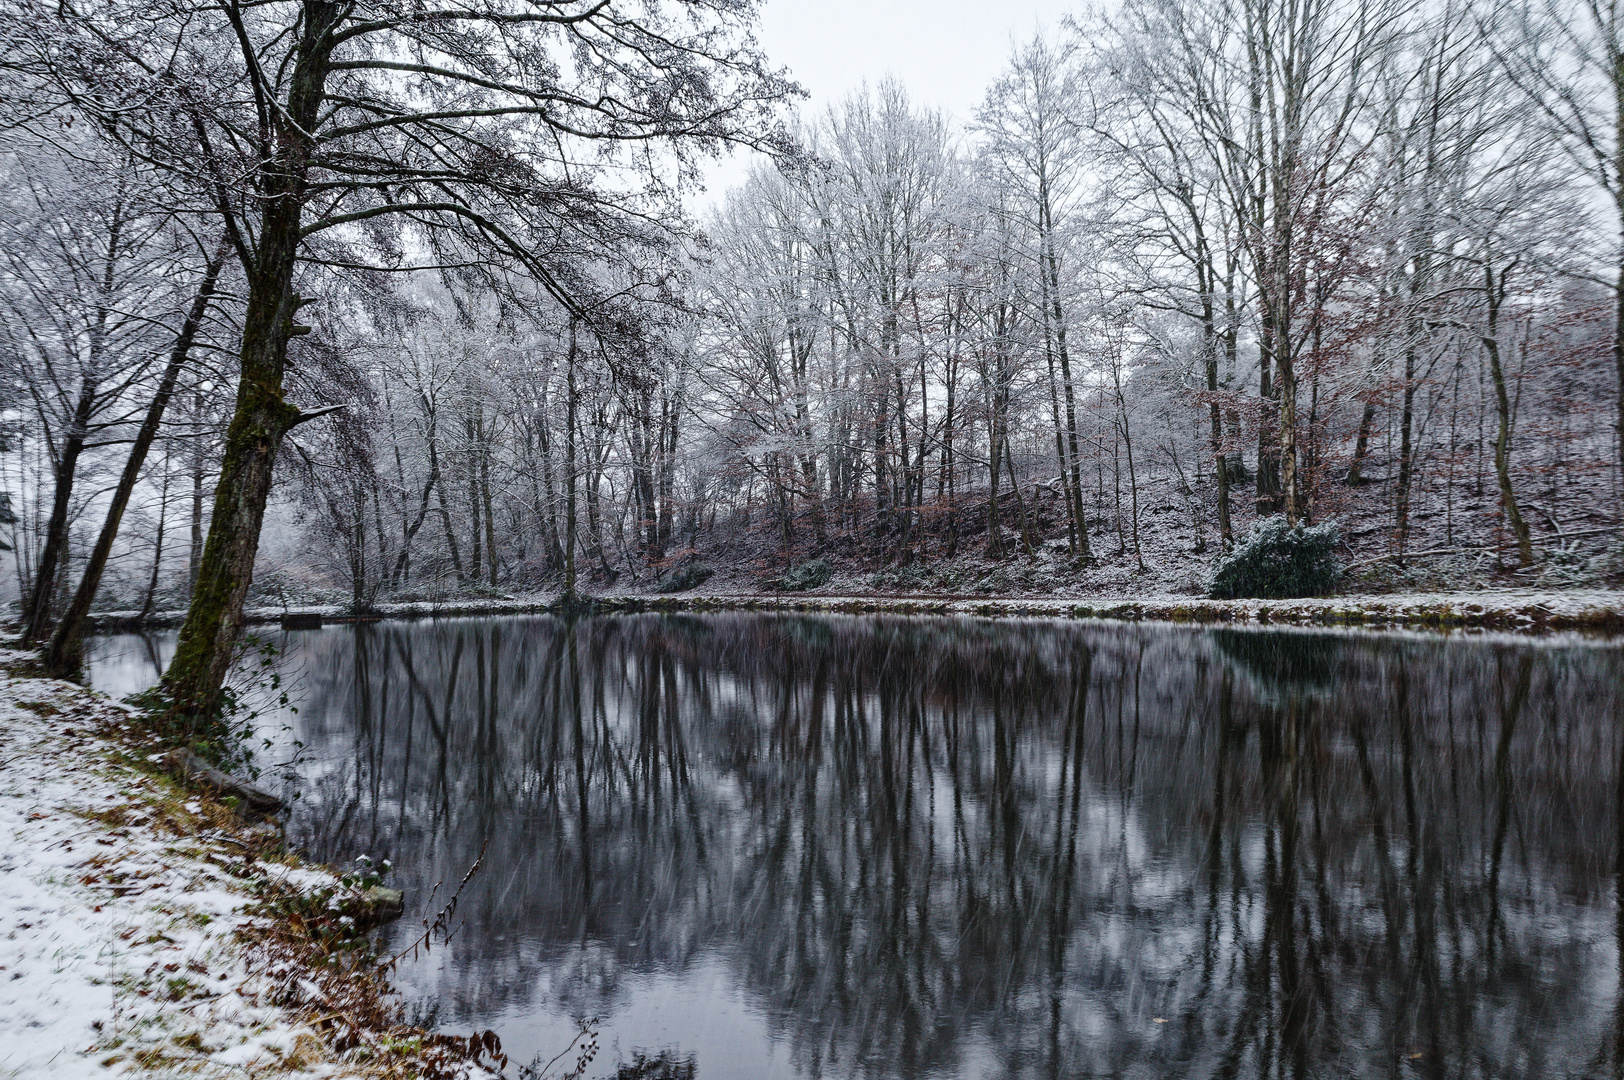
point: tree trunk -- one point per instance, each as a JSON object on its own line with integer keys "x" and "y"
{"x": 1226, "y": 531}
{"x": 65, "y": 655}
{"x": 1075, "y": 477}
{"x": 208, "y": 639}
{"x": 1502, "y": 442}
{"x": 1268, "y": 457}
{"x": 1020, "y": 506}
{"x": 476, "y": 545}
{"x": 1133, "y": 480}
{"x": 194, "y": 557}
{"x": 1290, "y": 481}
{"x": 358, "y": 558}
{"x": 1406, "y": 447}
{"x": 37, "y": 614}
{"x": 569, "y": 471}
{"x": 485, "y": 496}
{"x": 1361, "y": 445}
{"x": 1618, "y": 362}
{"x": 1219, "y": 460}
{"x": 995, "y": 542}
{"x": 157, "y": 546}
{"x": 671, "y": 406}
{"x": 431, "y": 426}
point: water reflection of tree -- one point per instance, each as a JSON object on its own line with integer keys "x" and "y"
{"x": 1307, "y": 855}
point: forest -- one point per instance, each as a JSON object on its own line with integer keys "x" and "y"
{"x": 352, "y": 302}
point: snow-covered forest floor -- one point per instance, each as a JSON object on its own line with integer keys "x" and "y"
{"x": 146, "y": 931}
{"x": 1456, "y": 546}
{"x": 1170, "y": 548}
{"x": 1457, "y": 571}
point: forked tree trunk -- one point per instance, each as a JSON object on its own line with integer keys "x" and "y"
{"x": 65, "y": 655}
{"x": 403, "y": 561}
{"x": 53, "y": 559}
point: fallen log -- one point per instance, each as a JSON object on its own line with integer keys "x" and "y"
{"x": 187, "y": 764}
{"x": 1467, "y": 550}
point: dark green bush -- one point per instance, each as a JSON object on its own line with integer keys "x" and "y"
{"x": 807, "y": 575}
{"x": 1277, "y": 562}
{"x": 687, "y": 576}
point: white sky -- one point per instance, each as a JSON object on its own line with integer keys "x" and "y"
{"x": 946, "y": 52}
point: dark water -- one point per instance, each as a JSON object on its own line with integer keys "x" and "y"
{"x": 832, "y": 847}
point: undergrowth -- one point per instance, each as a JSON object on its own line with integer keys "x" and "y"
{"x": 807, "y": 575}
{"x": 1276, "y": 561}
{"x": 228, "y": 737}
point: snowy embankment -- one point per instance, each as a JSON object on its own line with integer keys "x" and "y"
{"x": 1532, "y": 610}
{"x": 144, "y": 930}
{"x": 1515, "y": 610}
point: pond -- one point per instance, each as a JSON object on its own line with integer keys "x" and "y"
{"x": 753, "y": 846}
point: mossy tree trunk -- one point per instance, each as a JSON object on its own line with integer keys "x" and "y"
{"x": 262, "y": 416}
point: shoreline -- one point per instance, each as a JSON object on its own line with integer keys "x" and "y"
{"x": 151, "y": 929}
{"x": 1517, "y": 610}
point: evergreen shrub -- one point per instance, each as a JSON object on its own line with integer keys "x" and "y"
{"x": 799, "y": 578}
{"x": 1277, "y": 562}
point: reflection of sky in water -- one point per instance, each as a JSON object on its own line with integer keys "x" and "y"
{"x": 907, "y": 848}
{"x": 698, "y": 1010}
{"x": 123, "y": 664}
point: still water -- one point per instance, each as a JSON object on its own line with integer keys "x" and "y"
{"x": 758, "y": 847}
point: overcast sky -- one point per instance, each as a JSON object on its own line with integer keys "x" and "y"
{"x": 945, "y": 52}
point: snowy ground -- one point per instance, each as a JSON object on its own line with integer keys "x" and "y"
{"x": 1526, "y": 610}
{"x": 1532, "y": 609}
{"x": 125, "y": 947}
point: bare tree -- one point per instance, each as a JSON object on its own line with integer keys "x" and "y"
{"x": 335, "y": 121}
{"x": 1568, "y": 61}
